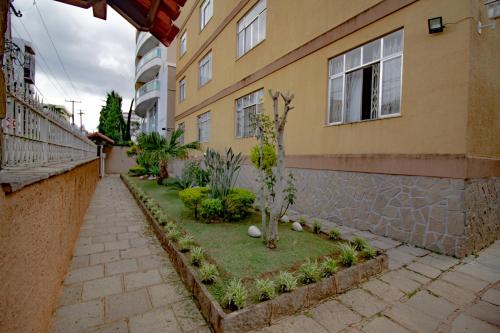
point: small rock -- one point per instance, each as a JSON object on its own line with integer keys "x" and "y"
{"x": 296, "y": 226}
{"x": 151, "y": 178}
{"x": 285, "y": 219}
{"x": 253, "y": 231}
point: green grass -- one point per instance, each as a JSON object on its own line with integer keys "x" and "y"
{"x": 228, "y": 244}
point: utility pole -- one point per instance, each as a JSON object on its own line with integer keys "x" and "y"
{"x": 72, "y": 109}
{"x": 81, "y": 123}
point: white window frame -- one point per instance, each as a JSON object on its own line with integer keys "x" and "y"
{"x": 182, "y": 90}
{"x": 345, "y": 71}
{"x": 205, "y": 62}
{"x": 204, "y": 120}
{"x": 257, "y": 12}
{"x": 206, "y": 13}
{"x": 240, "y": 107}
{"x": 183, "y": 44}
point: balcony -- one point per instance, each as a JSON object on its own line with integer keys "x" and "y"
{"x": 146, "y": 96}
{"x": 145, "y": 42}
{"x": 148, "y": 66}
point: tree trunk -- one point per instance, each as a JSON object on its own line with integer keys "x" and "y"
{"x": 163, "y": 172}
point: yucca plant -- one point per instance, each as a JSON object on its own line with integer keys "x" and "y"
{"x": 196, "y": 256}
{"x": 265, "y": 289}
{"x": 348, "y": 255}
{"x": 316, "y": 227}
{"x": 334, "y": 234}
{"x": 359, "y": 243}
{"x": 236, "y": 295}
{"x": 369, "y": 252}
{"x": 185, "y": 242}
{"x": 174, "y": 234}
{"x": 329, "y": 267}
{"x": 286, "y": 282}
{"x": 310, "y": 272}
{"x": 208, "y": 273}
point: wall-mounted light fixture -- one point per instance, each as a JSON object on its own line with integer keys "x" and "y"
{"x": 435, "y": 25}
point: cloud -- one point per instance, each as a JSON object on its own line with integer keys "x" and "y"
{"x": 98, "y": 55}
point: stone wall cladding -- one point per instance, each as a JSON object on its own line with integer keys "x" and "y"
{"x": 39, "y": 226}
{"x": 450, "y": 216}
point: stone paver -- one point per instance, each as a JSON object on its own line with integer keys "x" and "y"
{"x": 120, "y": 279}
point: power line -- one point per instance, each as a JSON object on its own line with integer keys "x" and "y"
{"x": 55, "y": 49}
{"x": 30, "y": 38}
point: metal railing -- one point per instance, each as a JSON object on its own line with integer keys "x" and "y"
{"x": 154, "y": 53}
{"x": 37, "y": 136}
{"x": 148, "y": 87}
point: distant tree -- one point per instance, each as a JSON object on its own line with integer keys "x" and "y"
{"x": 128, "y": 135}
{"x": 111, "y": 122}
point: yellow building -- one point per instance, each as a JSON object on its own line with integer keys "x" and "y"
{"x": 396, "y": 126}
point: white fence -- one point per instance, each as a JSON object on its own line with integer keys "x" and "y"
{"x": 34, "y": 136}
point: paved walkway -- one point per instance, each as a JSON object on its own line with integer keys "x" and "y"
{"x": 121, "y": 280}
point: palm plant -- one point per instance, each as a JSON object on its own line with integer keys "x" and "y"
{"x": 159, "y": 148}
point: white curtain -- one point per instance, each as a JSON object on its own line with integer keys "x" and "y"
{"x": 391, "y": 86}
{"x": 354, "y": 89}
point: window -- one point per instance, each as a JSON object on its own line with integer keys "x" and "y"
{"x": 206, "y": 69}
{"x": 182, "y": 127}
{"x": 206, "y": 12}
{"x": 204, "y": 127}
{"x": 246, "y": 109}
{"x": 252, "y": 28}
{"x": 183, "y": 46}
{"x": 365, "y": 83}
{"x": 182, "y": 89}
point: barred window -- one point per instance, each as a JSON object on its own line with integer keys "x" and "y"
{"x": 246, "y": 109}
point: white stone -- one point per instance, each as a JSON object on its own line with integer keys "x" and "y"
{"x": 285, "y": 219}
{"x": 296, "y": 226}
{"x": 253, "y": 231}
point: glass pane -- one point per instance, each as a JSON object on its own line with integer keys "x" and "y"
{"x": 393, "y": 43}
{"x": 371, "y": 51}
{"x": 248, "y": 39}
{"x": 337, "y": 65}
{"x": 255, "y": 32}
{"x": 336, "y": 97}
{"x": 391, "y": 86}
{"x": 353, "y": 58}
{"x": 353, "y": 94}
{"x": 262, "y": 25}
{"x": 241, "y": 43}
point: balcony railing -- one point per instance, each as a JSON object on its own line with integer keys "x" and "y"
{"x": 154, "y": 53}
{"x": 148, "y": 87}
{"x": 34, "y": 136}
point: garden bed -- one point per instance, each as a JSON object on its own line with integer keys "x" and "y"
{"x": 235, "y": 254}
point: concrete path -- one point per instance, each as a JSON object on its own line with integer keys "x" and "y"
{"x": 120, "y": 279}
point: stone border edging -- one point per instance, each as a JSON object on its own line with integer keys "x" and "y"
{"x": 261, "y": 314}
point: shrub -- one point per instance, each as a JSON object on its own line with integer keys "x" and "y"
{"x": 369, "y": 252}
{"x": 236, "y": 295}
{"x": 211, "y": 208}
{"x": 208, "y": 273}
{"x": 269, "y": 157}
{"x": 195, "y": 173}
{"x": 163, "y": 219}
{"x": 265, "y": 289}
{"x": 192, "y": 197}
{"x": 154, "y": 170}
{"x": 329, "y": 266}
{"x": 334, "y": 234}
{"x": 302, "y": 220}
{"x": 310, "y": 272}
{"x": 196, "y": 256}
{"x": 173, "y": 234}
{"x": 185, "y": 243}
{"x": 348, "y": 255}
{"x": 178, "y": 183}
{"x": 286, "y": 282}
{"x": 316, "y": 227}
{"x": 137, "y": 170}
{"x": 238, "y": 203}
{"x": 359, "y": 243}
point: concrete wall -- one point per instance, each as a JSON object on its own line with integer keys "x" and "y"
{"x": 39, "y": 227}
{"x": 117, "y": 160}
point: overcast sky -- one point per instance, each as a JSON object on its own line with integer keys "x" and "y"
{"x": 98, "y": 55}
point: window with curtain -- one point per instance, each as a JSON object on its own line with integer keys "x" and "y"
{"x": 183, "y": 46}
{"x": 204, "y": 127}
{"x": 365, "y": 83}
{"x": 206, "y": 12}
{"x": 252, "y": 28}
{"x": 182, "y": 89}
{"x": 206, "y": 69}
{"x": 246, "y": 109}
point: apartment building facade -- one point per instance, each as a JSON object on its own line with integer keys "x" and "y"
{"x": 396, "y": 126}
{"x": 154, "y": 84}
